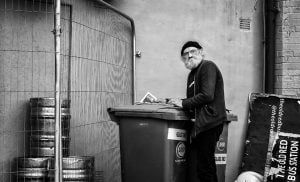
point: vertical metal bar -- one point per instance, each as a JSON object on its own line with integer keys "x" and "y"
{"x": 264, "y": 43}
{"x": 133, "y": 63}
{"x": 70, "y": 51}
{"x": 58, "y": 145}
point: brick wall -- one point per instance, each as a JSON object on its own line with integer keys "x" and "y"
{"x": 287, "y": 65}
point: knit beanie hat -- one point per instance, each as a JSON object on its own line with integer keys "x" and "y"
{"x": 190, "y": 44}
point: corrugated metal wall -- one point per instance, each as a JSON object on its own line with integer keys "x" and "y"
{"x": 96, "y": 74}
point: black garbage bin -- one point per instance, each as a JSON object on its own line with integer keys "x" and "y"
{"x": 153, "y": 141}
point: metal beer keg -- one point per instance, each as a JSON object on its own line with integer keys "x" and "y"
{"x": 44, "y": 107}
{"x": 76, "y": 168}
{"x": 48, "y": 112}
{"x": 32, "y": 169}
{"x": 48, "y": 102}
{"x": 44, "y": 146}
{"x": 42, "y": 127}
{"x": 46, "y": 126}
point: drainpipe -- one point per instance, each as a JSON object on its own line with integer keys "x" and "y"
{"x": 58, "y": 145}
{"x": 271, "y": 12}
{"x": 133, "y": 44}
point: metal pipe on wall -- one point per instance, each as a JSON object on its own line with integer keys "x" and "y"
{"x": 271, "y": 12}
{"x": 58, "y": 143}
{"x": 264, "y": 42}
{"x": 133, "y": 44}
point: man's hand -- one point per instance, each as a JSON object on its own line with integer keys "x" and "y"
{"x": 175, "y": 101}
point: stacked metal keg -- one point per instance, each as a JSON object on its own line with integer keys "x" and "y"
{"x": 32, "y": 169}
{"x": 42, "y": 127}
{"x": 75, "y": 168}
{"x": 39, "y": 166}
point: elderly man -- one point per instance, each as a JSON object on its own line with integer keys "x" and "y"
{"x": 206, "y": 106}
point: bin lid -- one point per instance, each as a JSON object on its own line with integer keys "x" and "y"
{"x": 159, "y": 111}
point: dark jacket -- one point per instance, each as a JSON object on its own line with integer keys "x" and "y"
{"x": 207, "y": 102}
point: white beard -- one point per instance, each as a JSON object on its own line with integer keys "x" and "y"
{"x": 191, "y": 64}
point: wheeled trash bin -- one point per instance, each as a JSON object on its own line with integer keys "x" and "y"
{"x": 153, "y": 141}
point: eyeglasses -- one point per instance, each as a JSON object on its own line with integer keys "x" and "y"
{"x": 192, "y": 52}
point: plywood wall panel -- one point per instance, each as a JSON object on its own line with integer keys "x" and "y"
{"x": 112, "y": 170}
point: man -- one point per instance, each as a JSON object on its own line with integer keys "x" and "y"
{"x": 206, "y": 106}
